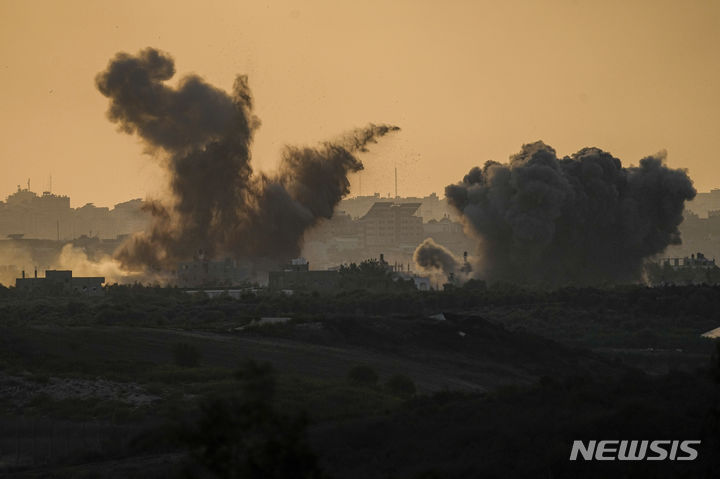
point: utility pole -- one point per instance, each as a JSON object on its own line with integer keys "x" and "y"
{"x": 396, "y": 195}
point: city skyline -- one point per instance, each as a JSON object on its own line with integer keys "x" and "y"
{"x": 379, "y": 195}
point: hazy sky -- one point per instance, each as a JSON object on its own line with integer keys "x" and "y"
{"x": 468, "y": 81}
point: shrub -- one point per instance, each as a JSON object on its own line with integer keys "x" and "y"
{"x": 401, "y": 385}
{"x": 363, "y": 375}
{"x": 186, "y": 355}
{"x": 245, "y": 436}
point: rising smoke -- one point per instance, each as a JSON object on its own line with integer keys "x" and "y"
{"x": 582, "y": 219}
{"x": 220, "y": 205}
{"x": 439, "y": 262}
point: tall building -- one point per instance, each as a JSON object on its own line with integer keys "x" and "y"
{"x": 26, "y": 214}
{"x": 450, "y": 234}
{"x": 392, "y": 224}
{"x": 431, "y": 206}
{"x": 703, "y": 203}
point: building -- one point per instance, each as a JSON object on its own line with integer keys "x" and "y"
{"x": 431, "y": 206}
{"x": 422, "y": 283}
{"x": 696, "y": 269}
{"x": 392, "y": 224}
{"x": 395, "y": 227}
{"x": 20, "y": 253}
{"x": 26, "y": 213}
{"x": 392, "y": 227}
{"x": 373, "y": 274}
{"x": 297, "y": 276}
{"x": 60, "y": 282}
{"x": 703, "y": 203}
{"x": 49, "y": 216}
{"x": 697, "y": 234}
{"x": 695, "y": 261}
{"x": 205, "y": 272}
{"x": 450, "y": 234}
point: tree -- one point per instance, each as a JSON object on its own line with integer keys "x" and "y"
{"x": 372, "y": 275}
{"x": 243, "y": 436}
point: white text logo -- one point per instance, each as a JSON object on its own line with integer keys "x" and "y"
{"x": 624, "y": 450}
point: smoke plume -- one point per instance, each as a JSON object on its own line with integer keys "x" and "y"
{"x": 204, "y": 135}
{"x": 70, "y": 257}
{"x": 76, "y": 259}
{"x": 438, "y": 261}
{"x": 575, "y": 220}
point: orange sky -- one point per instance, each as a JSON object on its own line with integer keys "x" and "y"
{"x": 468, "y": 81}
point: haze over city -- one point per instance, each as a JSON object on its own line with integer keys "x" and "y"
{"x": 467, "y": 82}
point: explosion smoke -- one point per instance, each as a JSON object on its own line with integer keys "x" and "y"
{"x": 221, "y": 206}
{"x": 437, "y": 260}
{"x": 577, "y": 220}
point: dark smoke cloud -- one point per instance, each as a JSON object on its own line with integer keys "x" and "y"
{"x": 579, "y": 219}
{"x": 435, "y": 259}
{"x": 221, "y": 206}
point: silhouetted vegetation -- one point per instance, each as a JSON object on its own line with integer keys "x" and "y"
{"x": 243, "y": 436}
{"x": 527, "y": 432}
{"x": 364, "y": 384}
{"x": 371, "y": 275}
{"x": 186, "y": 355}
{"x": 363, "y": 375}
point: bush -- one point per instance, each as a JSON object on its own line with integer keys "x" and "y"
{"x": 363, "y": 375}
{"x": 245, "y": 436}
{"x": 401, "y": 385}
{"x": 186, "y": 355}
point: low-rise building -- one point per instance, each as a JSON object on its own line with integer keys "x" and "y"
{"x": 698, "y": 260}
{"x": 61, "y": 282}
{"x": 205, "y": 272}
{"x": 696, "y": 269}
{"x": 296, "y": 276}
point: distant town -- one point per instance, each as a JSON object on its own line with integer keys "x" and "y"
{"x": 34, "y": 228}
{"x": 47, "y": 216}
{"x": 39, "y": 225}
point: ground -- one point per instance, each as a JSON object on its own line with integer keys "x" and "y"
{"x": 82, "y": 379}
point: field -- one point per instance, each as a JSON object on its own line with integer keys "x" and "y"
{"x": 381, "y": 385}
